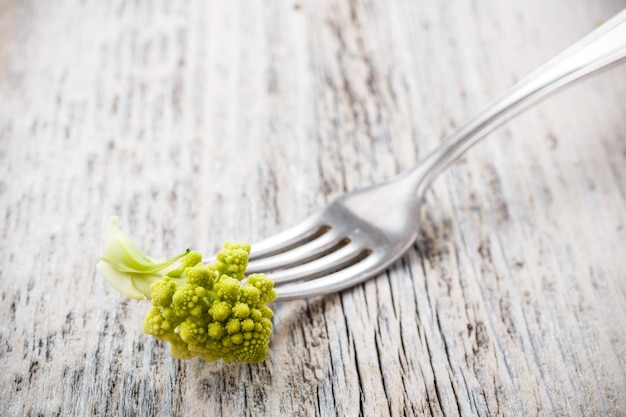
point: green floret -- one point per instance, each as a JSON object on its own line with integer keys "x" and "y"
{"x": 247, "y": 325}
{"x": 162, "y": 292}
{"x": 228, "y": 289}
{"x": 180, "y": 349}
{"x": 250, "y": 295}
{"x": 233, "y": 326}
{"x": 200, "y": 275}
{"x": 265, "y": 287}
{"x": 232, "y": 260}
{"x": 192, "y": 258}
{"x": 161, "y": 323}
{"x": 220, "y": 311}
{"x": 266, "y": 312}
{"x": 190, "y": 300}
{"x": 205, "y": 310}
{"x": 241, "y": 310}
{"x": 194, "y": 330}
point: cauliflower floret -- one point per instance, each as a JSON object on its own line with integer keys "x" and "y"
{"x": 205, "y": 310}
{"x": 213, "y": 315}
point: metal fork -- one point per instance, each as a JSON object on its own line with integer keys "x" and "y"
{"x": 361, "y": 233}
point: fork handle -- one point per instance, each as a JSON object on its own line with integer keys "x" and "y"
{"x": 599, "y": 50}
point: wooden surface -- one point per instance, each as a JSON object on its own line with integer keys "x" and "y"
{"x": 202, "y": 121}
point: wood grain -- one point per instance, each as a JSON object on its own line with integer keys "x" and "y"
{"x": 203, "y": 121}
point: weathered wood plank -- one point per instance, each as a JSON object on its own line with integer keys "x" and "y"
{"x": 198, "y": 122}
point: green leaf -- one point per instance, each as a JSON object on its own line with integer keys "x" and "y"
{"x": 128, "y": 269}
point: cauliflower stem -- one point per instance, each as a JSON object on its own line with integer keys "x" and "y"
{"x": 207, "y": 310}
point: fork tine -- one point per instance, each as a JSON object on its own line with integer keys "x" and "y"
{"x": 341, "y": 258}
{"x": 302, "y": 232}
{"x": 306, "y": 252}
{"x": 335, "y": 282}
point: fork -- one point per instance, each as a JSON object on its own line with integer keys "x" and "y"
{"x": 362, "y": 233}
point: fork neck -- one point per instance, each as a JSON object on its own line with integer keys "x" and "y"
{"x": 421, "y": 176}
{"x": 456, "y": 144}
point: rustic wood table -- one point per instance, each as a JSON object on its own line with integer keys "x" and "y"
{"x": 200, "y": 121}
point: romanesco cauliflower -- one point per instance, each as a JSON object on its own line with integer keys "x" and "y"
{"x": 207, "y": 310}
